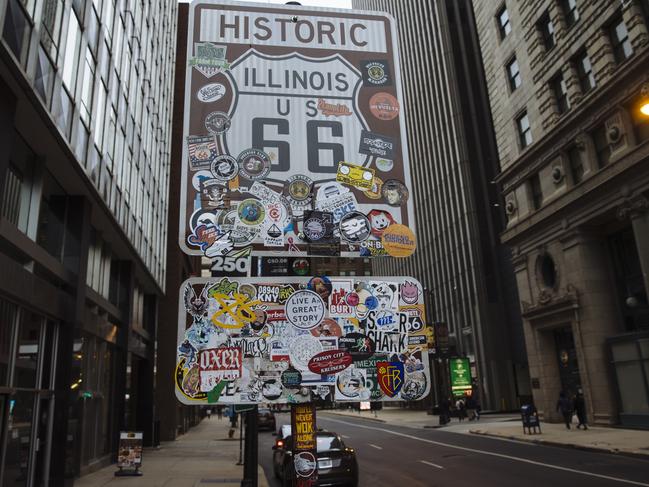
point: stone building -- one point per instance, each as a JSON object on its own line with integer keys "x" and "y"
{"x": 85, "y": 125}
{"x": 465, "y": 272}
{"x": 566, "y": 79}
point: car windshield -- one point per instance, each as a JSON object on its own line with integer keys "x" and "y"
{"x": 329, "y": 443}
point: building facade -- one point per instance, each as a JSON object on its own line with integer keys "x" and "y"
{"x": 566, "y": 79}
{"x": 465, "y": 272}
{"x": 85, "y": 125}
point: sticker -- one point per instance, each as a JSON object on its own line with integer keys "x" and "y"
{"x": 291, "y": 378}
{"x": 333, "y": 109}
{"x": 272, "y": 389}
{"x": 414, "y": 387}
{"x": 305, "y": 309}
{"x": 203, "y": 236}
{"x": 330, "y": 190}
{"x": 395, "y": 193}
{"x": 350, "y": 383}
{"x": 318, "y": 226}
{"x": 386, "y": 295}
{"x": 322, "y": 391}
{"x": 384, "y": 320}
{"x": 220, "y": 246}
{"x": 241, "y": 235}
{"x": 302, "y": 348}
{"x": 399, "y": 241}
{"x": 279, "y": 351}
{"x": 376, "y": 145}
{"x": 372, "y": 248}
{"x": 199, "y": 176}
{"x": 339, "y": 307}
{"x": 375, "y": 193}
{"x": 214, "y": 193}
{"x": 338, "y": 205}
{"x": 384, "y": 165}
{"x": 274, "y": 294}
{"x": 330, "y": 362}
{"x": 211, "y": 93}
{"x": 376, "y": 73}
{"x": 251, "y": 212}
{"x": 299, "y": 190}
{"x": 409, "y": 292}
{"x": 360, "y": 346}
{"x": 384, "y": 106}
{"x": 264, "y": 193}
{"x": 191, "y": 382}
{"x": 354, "y": 175}
{"x": 391, "y": 377}
{"x": 301, "y": 267}
{"x": 328, "y": 328}
{"x": 254, "y": 164}
{"x": 202, "y": 151}
{"x": 235, "y": 262}
{"x": 320, "y": 285}
{"x": 224, "y": 167}
{"x": 217, "y": 123}
{"x": 355, "y": 227}
{"x": 305, "y": 464}
{"x": 380, "y": 220}
{"x": 217, "y": 364}
{"x": 209, "y": 59}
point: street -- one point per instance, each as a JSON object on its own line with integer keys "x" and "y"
{"x": 390, "y": 455}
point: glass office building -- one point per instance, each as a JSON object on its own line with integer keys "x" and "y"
{"x": 85, "y": 128}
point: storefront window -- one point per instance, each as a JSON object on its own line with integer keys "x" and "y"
{"x": 7, "y": 319}
{"x": 19, "y": 426}
{"x": 27, "y": 353}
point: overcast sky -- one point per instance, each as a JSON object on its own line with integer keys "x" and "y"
{"x": 317, "y": 3}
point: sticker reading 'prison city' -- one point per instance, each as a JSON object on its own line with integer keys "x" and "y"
{"x": 305, "y": 309}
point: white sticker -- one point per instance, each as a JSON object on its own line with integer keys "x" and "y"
{"x": 210, "y": 93}
{"x": 264, "y": 193}
{"x": 305, "y": 309}
{"x": 339, "y": 205}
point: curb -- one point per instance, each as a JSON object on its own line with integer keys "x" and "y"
{"x": 593, "y": 449}
{"x": 354, "y": 416}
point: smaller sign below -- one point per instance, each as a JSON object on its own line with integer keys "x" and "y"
{"x": 460, "y": 376}
{"x": 129, "y": 454}
{"x": 303, "y": 426}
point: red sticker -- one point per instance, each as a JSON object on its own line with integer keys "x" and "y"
{"x": 330, "y": 362}
{"x": 384, "y": 106}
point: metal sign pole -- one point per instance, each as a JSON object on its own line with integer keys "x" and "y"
{"x": 251, "y": 453}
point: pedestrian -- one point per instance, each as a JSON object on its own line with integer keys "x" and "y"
{"x": 471, "y": 408}
{"x": 233, "y": 423}
{"x": 579, "y": 405}
{"x": 219, "y": 412}
{"x": 564, "y": 406}
{"x": 209, "y": 413}
{"x": 460, "y": 405}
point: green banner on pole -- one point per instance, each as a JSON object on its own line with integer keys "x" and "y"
{"x": 460, "y": 376}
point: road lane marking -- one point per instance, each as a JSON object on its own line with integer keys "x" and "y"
{"x": 346, "y": 437}
{"x": 376, "y": 446}
{"x": 431, "y": 464}
{"x": 493, "y": 454}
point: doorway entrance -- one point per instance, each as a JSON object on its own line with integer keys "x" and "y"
{"x": 567, "y": 360}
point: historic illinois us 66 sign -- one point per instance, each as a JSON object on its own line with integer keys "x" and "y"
{"x": 304, "y": 109}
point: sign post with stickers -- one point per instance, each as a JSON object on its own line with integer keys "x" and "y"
{"x": 303, "y": 431}
{"x": 294, "y": 135}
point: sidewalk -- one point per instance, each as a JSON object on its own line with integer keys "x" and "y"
{"x": 203, "y": 456}
{"x": 610, "y": 440}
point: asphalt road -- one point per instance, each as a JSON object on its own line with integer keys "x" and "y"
{"x": 391, "y": 456}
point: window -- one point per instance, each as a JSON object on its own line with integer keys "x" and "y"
{"x": 585, "y": 72}
{"x": 576, "y": 164}
{"x": 71, "y": 54}
{"x": 602, "y": 149}
{"x": 537, "y": 194}
{"x": 504, "y": 26}
{"x": 514, "y": 74}
{"x": 546, "y": 28}
{"x": 570, "y": 12}
{"x": 16, "y": 30}
{"x": 51, "y": 31}
{"x": 87, "y": 86}
{"x": 620, "y": 42}
{"x": 558, "y": 86}
{"x": 524, "y": 130}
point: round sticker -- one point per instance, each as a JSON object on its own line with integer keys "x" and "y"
{"x": 395, "y": 193}
{"x": 351, "y": 383}
{"x": 355, "y": 227}
{"x": 315, "y": 228}
{"x": 379, "y": 221}
{"x": 305, "y": 464}
{"x": 251, "y": 211}
{"x": 328, "y": 328}
{"x": 224, "y": 167}
{"x": 291, "y": 378}
{"x": 272, "y": 389}
{"x": 371, "y": 302}
{"x": 414, "y": 387}
{"x": 301, "y": 267}
{"x": 384, "y": 106}
{"x": 302, "y": 348}
{"x": 254, "y": 164}
{"x": 217, "y": 122}
{"x": 299, "y": 189}
{"x": 375, "y": 192}
{"x": 248, "y": 290}
{"x": 199, "y": 177}
{"x": 321, "y": 285}
{"x": 352, "y": 299}
{"x": 305, "y": 309}
{"x": 384, "y": 165}
{"x": 241, "y": 236}
{"x": 399, "y": 241}
{"x": 204, "y": 217}
{"x": 210, "y": 93}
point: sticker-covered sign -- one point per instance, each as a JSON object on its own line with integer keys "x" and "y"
{"x": 298, "y": 107}
{"x": 290, "y": 339}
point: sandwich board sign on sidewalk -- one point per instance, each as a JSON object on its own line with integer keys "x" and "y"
{"x": 290, "y": 340}
{"x": 294, "y": 134}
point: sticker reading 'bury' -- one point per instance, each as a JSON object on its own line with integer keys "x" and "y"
{"x": 305, "y": 309}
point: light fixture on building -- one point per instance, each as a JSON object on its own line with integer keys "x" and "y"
{"x": 644, "y": 99}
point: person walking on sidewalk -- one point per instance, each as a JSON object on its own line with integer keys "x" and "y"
{"x": 564, "y": 406}
{"x": 580, "y": 408}
{"x": 460, "y": 405}
{"x": 209, "y": 413}
{"x": 219, "y": 412}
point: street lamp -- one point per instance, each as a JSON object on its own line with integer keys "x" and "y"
{"x": 644, "y": 99}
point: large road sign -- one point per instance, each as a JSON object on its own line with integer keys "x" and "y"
{"x": 294, "y": 133}
{"x": 288, "y": 340}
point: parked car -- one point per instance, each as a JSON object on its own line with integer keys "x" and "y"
{"x": 337, "y": 464}
{"x": 265, "y": 419}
